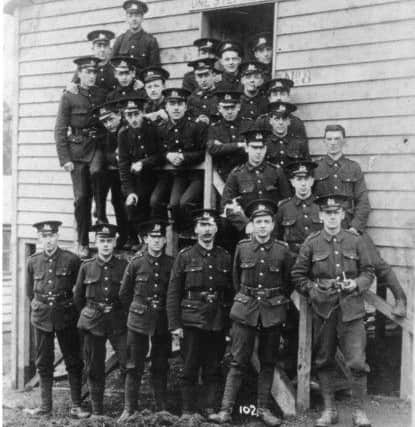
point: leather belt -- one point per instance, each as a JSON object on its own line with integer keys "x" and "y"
{"x": 102, "y": 306}
{"x": 156, "y": 301}
{"x": 263, "y": 292}
{"x": 52, "y": 298}
{"x": 206, "y": 296}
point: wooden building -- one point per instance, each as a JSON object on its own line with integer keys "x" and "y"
{"x": 353, "y": 63}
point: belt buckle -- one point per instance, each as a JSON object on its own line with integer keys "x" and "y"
{"x": 107, "y": 308}
{"x": 261, "y": 293}
{"x": 51, "y": 300}
{"x": 211, "y": 298}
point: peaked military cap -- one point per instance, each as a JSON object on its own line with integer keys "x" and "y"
{"x": 132, "y": 102}
{"x": 332, "y": 201}
{"x": 261, "y": 39}
{"x": 281, "y": 109}
{"x": 300, "y": 167}
{"x": 87, "y": 61}
{"x": 123, "y": 63}
{"x": 205, "y": 215}
{"x": 256, "y": 135}
{"x": 100, "y": 36}
{"x": 335, "y": 128}
{"x": 107, "y": 108}
{"x": 251, "y": 67}
{"x": 207, "y": 44}
{"x": 261, "y": 207}
{"x": 154, "y": 73}
{"x": 154, "y": 227}
{"x": 105, "y": 230}
{"x": 47, "y": 226}
{"x": 176, "y": 93}
{"x": 135, "y": 6}
{"x": 230, "y": 45}
{"x": 202, "y": 64}
{"x": 279, "y": 84}
{"x": 228, "y": 96}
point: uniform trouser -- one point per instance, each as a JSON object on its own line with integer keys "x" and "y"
{"x": 70, "y": 345}
{"x": 94, "y": 357}
{"x": 243, "y": 342}
{"x": 203, "y": 350}
{"x": 137, "y": 349}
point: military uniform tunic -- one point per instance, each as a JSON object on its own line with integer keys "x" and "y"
{"x": 252, "y": 107}
{"x": 124, "y": 91}
{"x": 230, "y": 81}
{"x": 105, "y": 77}
{"x": 281, "y": 150}
{"x": 203, "y": 102}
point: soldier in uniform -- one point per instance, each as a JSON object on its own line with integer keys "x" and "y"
{"x": 102, "y": 316}
{"x": 183, "y": 144}
{"x": 278, "y": 90}
{"x": 255, "y": 179}
{"x": 283, "y": 147}
{"x": 261, "y": 277}
{"x": 253, "y": 101}
{"x": 226, "y": 144}
{"x": 262, "y": 49}
{"x": 140, "y": 152}
{"x": 206, "y": 48}
{"x": 202, "y": 104}
{"x": 230, "y": 57}
{"x": 143, "y": 293}
{"x": 135, "y": 42}
{"x": 334, "y": 269}
{"x": 154, "y": 79}
{"x": 199, "y": 293}
{"x": 336, "y": 173}
{"x": 77, "y": 133}
{"x": 50, "y": 276}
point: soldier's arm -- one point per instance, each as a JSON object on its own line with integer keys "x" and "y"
{"x": 76, "y": 265}
{"x": 61, "y": 130}
{"x": 279, "y": 229}
{"x": 174, "y": 293}
{"x": 197, "y": 155}
{"x": 300, "y": 273}
{"x": 218, "y": 148}
{"x": 126, "y": 291}
{"x": 284, "y": 185}
{"x": 366, "y": 268}
{"x": 156, "y": 158}
{"x": 236, "y": 271}
{"x": 29, "y": 280}
{"x": 124, "y": 164}
{"x": 154, "y": 53}
{"x": 117, "y": 45}
{"x": 362, "y": 204}
{"x": 230, "y": 190}
{"x": 79, "y": 297}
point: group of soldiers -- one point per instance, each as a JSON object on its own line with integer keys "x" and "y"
{"x": 287, "y": 223}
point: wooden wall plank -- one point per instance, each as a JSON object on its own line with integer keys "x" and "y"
{"x": 45, "y": 177}
{"x": 390, "y": 181}
{"x": 64, "y": 192}
{"x": 392, "y": 200}
{"x": 391, "y": 237}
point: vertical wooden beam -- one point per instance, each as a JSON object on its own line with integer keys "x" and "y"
{"x": 208, "y": 184}
{"x": 275, "y": 41}
{"x": 304, "y": 355}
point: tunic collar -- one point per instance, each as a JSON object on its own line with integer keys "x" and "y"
{"x": 339, "y": 236}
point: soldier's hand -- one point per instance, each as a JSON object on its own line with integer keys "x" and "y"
{"x": 249, "y": 228}
{"x": 72, "y": 88}
{"x": 354, "y": 231}
{"x": 349, "y": 285}
{"x": 242, "y": 145}
{"x": 178, "y": 332}
{"x": 137, "y": 167}
{"x": 138, "y": 84}
{"x": 162, "y": 114}
{"x": 132, "y": 199}
{"x": 203, "y": 118}
{"x": 68, "y": 166}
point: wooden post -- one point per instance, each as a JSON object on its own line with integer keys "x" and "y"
{"x": 208, "y": 184}
{"x": 304, "y": 355}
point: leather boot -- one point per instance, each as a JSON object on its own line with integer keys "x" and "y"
{"x": 131, "y": 391}
{"x": 188, "y": 396}
{"x": 265, "y": 379}
{"x": 45, "y": 407}
{"x": 359, "y": 401}
{"x": 75, "y": 385}
{"x": 160, "y": 393}
{"x": 329, "y": 415}
{"x": 79, "y": 413}
{"x": 268, "y": 417}
{"x": 97, "y": 398}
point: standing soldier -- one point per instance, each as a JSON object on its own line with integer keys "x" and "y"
{"x": 262, "y": 49}
{"x": 202, "y": 104}
{"x": 336, "y": 173}
{"x": 143, "y": 292}
{"x": 207, "y": 48}
{"x": 253, "y": 101}
{"x": 50, "y": 276}
{"x": 135, "y": 42}
{"x": 102, "y": 315}
{"x": 334, "y": 269}
{"x": 282, "y": 146}
{"x": 255, "y": 179}
{"x": 77, "y": 133}
{"x": 230, "y": 56}
{"x": 261, "y": 277}
{"x": 198, "y": 293}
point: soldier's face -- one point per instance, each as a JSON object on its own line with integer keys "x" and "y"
{"x": 48, "y": 241}
{"x": 263, "y": 55}
{"x": 87, "y": 77}
{"x": 278, "y": 95}
{"x": 101, "y": 50}
{"x": 134, "y": 20}
{"x": 124, "y": 78}
{"x": 279, "y": 124}
{"x": 302, "y": 185}
{"x": 206, "y": 230}
{"x": 332, "y": 219}
{"x": 262, "y": 226}
{"x": 105, "y": 245}
{"x": 112, "y": 122}
{"x": 175, "y": 108}
{"x": 155, "y": 243}
{"x": 229, "y": 112}
{"x": 205, "y": 79}
{"x": 256, "y": 153}
{"x": 154, "y": 89}
{"x": 251, "y": 82}
{"x": 230, "y": 61}
{"x": 134, "y": 118}
{"x": 334, "y": 142}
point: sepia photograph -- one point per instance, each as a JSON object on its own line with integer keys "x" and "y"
{"x": 208, "y": 213}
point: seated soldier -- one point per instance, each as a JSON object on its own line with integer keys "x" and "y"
{"x": 255, "y": 179}
{"x": 230, "y": 57}
{"x": 202, "y": 104}
{"x": 278, "y": 90}
{"x": 262, "y": 49}
{"x": 154, "y": 79}
{"x": 206, "y": 48}
{"x": 183, "y": 144}
{"x": 281, "y": 145}
{"x": 139, "y": 152}
{"x": 253, "y": 101}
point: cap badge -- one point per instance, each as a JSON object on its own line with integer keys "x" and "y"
{"x": 47, "y": 227}
{"x": 131, "y": 104}
{"x": 101, "y": 36}
{"x": 261, "y": 207}
{"x": 133, "y": 6}
{"x": 150, "y": 73}
{"x": 157, "y": 227}
{"x": 258, "y": 136}
{"x": 331, "y": 202}
{"x": 282, "y": 109}
{"x": 262, "y": 40}
{"x": 228, "y": 97}
{"x": 251, "y": 67}
{"x": 105, "y": 230}
{"x": 174, "y": 93}
{"x": 123, "y": 64}
{"x": 227, "y": 46}
{"x": 302, "y": 168}
{"x": 209, "y": 43}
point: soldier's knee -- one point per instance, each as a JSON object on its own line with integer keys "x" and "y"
{"x": 358, "y": 366}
